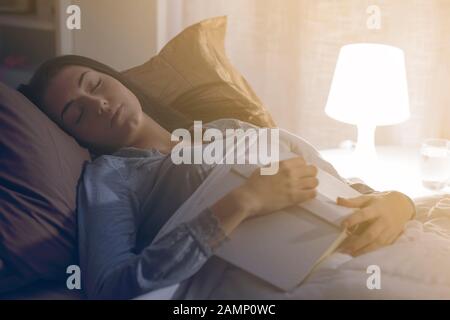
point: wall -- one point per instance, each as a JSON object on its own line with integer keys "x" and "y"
{"x": 288, "y": 50}
{"x": 119, "y": 33}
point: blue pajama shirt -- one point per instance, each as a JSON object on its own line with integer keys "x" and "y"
{"x": 123, "y": 200}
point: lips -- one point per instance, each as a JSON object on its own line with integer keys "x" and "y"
{"x": 116, "y": 115}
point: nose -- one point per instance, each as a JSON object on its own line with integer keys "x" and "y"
{"x": 100, "y": 105}
{"x": 103, "y": 106}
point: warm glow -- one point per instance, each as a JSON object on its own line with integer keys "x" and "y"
{"x": 369, "y": 86}
{"x": 369, "y": 89}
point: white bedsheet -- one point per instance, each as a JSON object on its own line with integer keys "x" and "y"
{"x": 416, "y": 266}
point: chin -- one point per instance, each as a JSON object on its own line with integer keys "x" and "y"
{"x": 133, "y": 121}
{"x": 130, "y": 126}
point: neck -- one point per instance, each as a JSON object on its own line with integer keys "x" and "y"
{"x": 152, "y": 135}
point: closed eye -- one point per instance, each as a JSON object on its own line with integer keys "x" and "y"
{"x": 99, "y": 83}
{"x": 79, "y": 118}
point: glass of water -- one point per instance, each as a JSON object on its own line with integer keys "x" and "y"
{"x": 435, "y": 163}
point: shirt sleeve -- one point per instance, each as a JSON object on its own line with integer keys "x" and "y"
{"x": 111, "y": 269}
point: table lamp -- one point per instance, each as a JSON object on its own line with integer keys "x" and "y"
{"x": 369, "y": 89}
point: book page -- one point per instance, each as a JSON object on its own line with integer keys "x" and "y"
{"x": 329, "y": 188}
{"x": 281, "y": 248}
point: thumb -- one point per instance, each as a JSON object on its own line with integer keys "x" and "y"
{"x": 357, "y": 202}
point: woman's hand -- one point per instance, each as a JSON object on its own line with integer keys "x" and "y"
{"x": 378, "y": 220}
{"x": 294, "y": 183}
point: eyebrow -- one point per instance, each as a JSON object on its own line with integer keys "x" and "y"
{"x": 68, "y": 104}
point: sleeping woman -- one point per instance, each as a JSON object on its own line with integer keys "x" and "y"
{"x": 132, "y": 187}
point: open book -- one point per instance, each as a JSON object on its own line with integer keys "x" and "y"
{"x": 281, "y": 248}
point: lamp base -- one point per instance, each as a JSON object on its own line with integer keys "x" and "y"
{"x": 365, "y": 147}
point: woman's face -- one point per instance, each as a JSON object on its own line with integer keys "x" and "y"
{"x": 93, "y": 107}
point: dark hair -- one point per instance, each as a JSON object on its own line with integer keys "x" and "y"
{"x": 167, "y": 117}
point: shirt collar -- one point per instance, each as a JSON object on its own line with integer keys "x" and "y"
{"x": 129, "y": 152}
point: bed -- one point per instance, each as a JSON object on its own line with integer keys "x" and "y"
{"x": 416, "y": 266}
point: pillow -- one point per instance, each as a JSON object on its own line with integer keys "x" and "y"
{"x": 193, "y": 75}
{"x": 39, "y": 170}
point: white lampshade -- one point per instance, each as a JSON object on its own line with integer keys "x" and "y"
{"x": 369, "y": 86}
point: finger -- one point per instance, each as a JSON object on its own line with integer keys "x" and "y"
{"x": 357, "y": 202}
{"x": 308, "y": 183}
{"x": 344, "y": 245}
{"x": 291, "y": 167}
{"x": 305, "y": 171}
{"x": 306, "y": 195}
{"x": 293, "y": 162}
{"x": 393, "y": 237}
{"x": 386, "y": 238}
{"x": 360, "y": 216}
{"x": 383, "y": 240}
{"x": 367, "y": 237}
{"x": 371, "y": 247}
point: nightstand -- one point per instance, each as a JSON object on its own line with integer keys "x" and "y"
{"x": 396, "y": 168}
